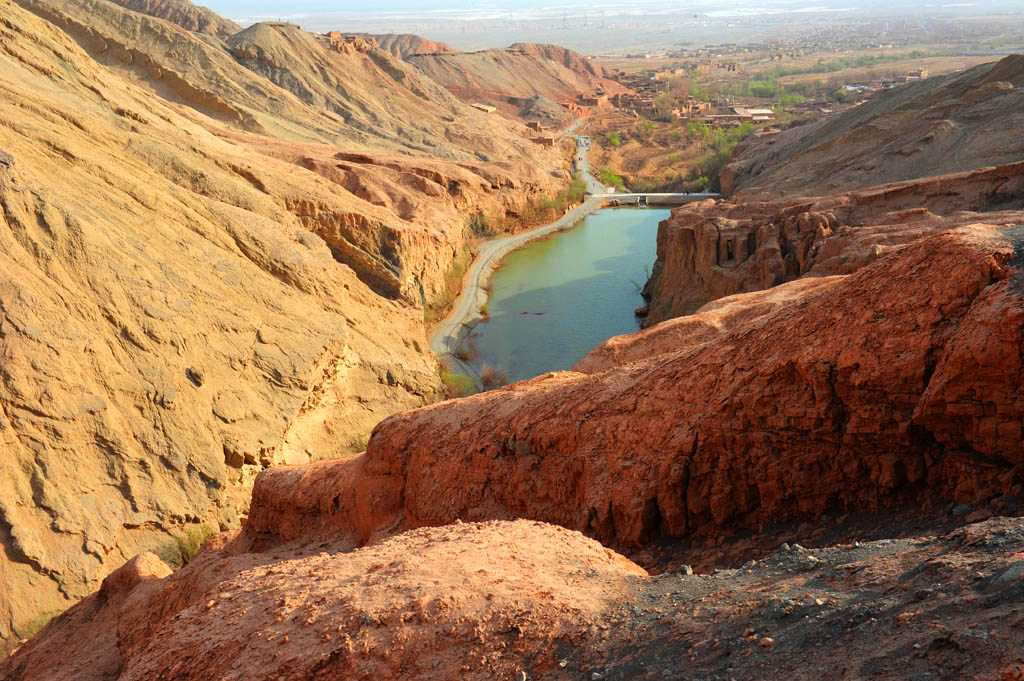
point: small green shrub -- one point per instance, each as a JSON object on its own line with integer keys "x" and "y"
{"x": 614, "y": 139}
{"x": 457, "y": 384}
{"x": 358, "y": 443}
{"x": 609, "y": 178}
{"x": 188, "y": 544}
{"x": 34, "y": 625}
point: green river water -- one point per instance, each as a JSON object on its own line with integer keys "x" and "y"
{"x": 555, "y": 299}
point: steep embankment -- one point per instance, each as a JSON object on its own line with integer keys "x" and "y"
{"x": 711, "y": 249}
{"x": 199, "y": 285}
{"x": 944, "y": 124}
{"x": 518, "y": 79}
{"x": 305, "y": 94}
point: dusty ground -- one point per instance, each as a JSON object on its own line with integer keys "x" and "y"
{"x": 925, "y": 607}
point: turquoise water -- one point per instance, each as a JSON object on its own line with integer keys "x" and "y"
{"x": 555, "y": 299}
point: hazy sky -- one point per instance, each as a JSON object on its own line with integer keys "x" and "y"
{"x": 627, "y": 24}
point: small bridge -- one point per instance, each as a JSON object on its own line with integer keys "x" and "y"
{"x": 679, "y": 199}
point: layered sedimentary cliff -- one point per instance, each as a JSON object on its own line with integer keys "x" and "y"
{"x": 752, "y": 242}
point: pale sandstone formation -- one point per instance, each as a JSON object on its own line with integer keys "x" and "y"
{"x": 478, "y": 601}
{"x": 752, "y": 242}
{"x": 944, "y": 124}
{"x": 844, "y": 397}
{"x": 404, "y": 45}
{"x": 185, "y": 302}
{"x": 574, "y": 61}
{"x": 190, "y": 17}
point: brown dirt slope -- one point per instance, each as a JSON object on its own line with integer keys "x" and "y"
{"x": 940, "y": 125}
{"x": 574, "y": 61}
{"x": 403, "y": 45}
{"x": 183, "y": 13}
{"x": 514, "y": 600}
{"x": 507, "y": 78}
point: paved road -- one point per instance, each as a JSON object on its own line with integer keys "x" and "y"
{"x": 449, "y": 335}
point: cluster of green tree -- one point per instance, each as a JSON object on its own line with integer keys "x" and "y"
{"x": 847, "y": 62}
{"x": 609, "y": 178}
{"x": 704, "y": 175}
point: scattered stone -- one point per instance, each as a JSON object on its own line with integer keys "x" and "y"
{"x": 766, "y": 642}
{"x": 810, "y": 562}
{"x": 596, "y": 676}
{"x": 960, "y": 510}
{"x": 1013, "y": 573}
{"x": 978, "y": 515}
{"x": 686, "y": 570}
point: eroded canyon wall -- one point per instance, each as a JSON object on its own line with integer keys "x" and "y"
{"x": 710, "y": 249}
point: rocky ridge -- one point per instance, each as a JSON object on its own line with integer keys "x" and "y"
{"x": 710, "y": 249}
{"x": 940, "y": 125}
{"x": 508, "y": 79}
{"x": 404, "y": 45}
{"x": 190, "y": 17}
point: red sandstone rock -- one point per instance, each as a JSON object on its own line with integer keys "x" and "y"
{"x": 710, "y": 249}
{"x": 464, "y": 601}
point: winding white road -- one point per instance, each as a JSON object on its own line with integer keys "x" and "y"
{"x": 450, "y": 334}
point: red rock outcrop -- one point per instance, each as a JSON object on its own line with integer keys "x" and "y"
{"x": 574, "y": 61}
{"x": 521, "y": 600}
{"x": 751, "y": 242}
{"x": 844, "y": 397}
{"x": 464, "y": 601}
{"x": 403, "y": 45}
